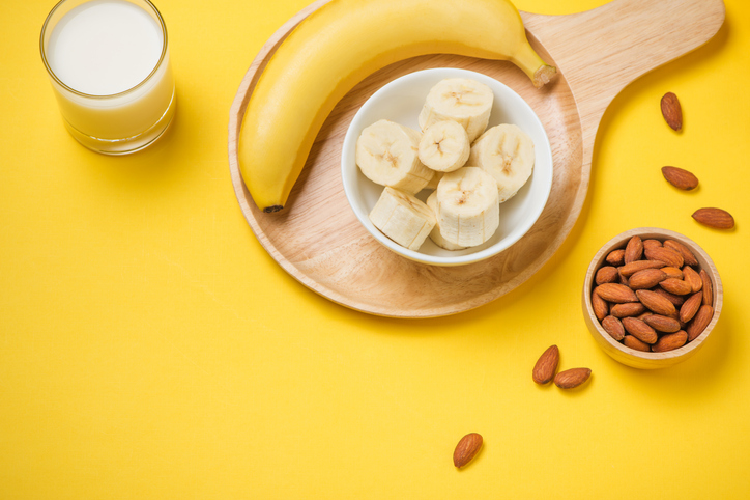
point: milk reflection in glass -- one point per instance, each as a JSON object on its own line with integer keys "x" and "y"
{"x": 109, "y": 65}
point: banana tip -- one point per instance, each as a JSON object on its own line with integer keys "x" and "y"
{"x": 272, "y": 209}
{"x": 544, "y": 75}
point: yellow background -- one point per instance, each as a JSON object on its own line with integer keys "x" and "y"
{"x": 150, "y": 348}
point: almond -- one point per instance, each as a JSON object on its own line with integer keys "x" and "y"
{"x": 634, "y": 249}
{"x": 616, "y": 257}
{"x": 664, "y": 324}
{"x": 700, "y": 321}
{"x": 655, "y": 302}
{"x": 651, "y": 244}
{"x": 615, "y": 292}
{"x": 672, "y": 111}
{"x": 707, "y": 288}
{"x": 680, "y": 178}
{"x": 691, "y": 306}
{"x": 676, "y": 287}
{"x": 674, "y": 299}
{"x": 666, "y": 255}
{"x": 607, "y": 274}
{"x": 628, "y": 309}
{"x": 670, "y": 342}
{"x": 544, "y": 370}
{"x": 571, "y": 378}
{"x": 601, "y": 308}
{"x": 621, "y": 279}
{"x": 714, "y": 217}
{"x": 673, "y": 272}
{"x": 466, "y": 449}
{"x": 613, "y": 327}
{"x": 647, "y": 278}
{"x": 692, "y": 278}
{"x": 640, "y": 330}
{"x": 636, "y": 344}
{"x": 687, "y": 255}
{"x": 631, "y": 268}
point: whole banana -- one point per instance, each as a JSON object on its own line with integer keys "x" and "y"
{"x": 339, "y": 45}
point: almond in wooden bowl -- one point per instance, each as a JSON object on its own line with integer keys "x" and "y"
{"x": 649, "y": 340}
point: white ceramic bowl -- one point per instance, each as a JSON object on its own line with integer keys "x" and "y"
{"x": 401, "y": 101}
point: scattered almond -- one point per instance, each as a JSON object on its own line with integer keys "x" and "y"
{"x": 672, "y": 111}
{"x": 467, "y": 449}
{"x": 714, "y": 217}
{"x": 680, "y": 178}
{"x": 544, "y": 370}
{"x": 572, "y": 377}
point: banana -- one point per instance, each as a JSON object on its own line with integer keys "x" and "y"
{"x": 506, "y": 153}
{"x": 444, "y": 146}
{"x": 433, "y": 184}
{"x": 340, "y": 44}
{"x": 402, "y": 218}
{"x": 387, "y": 153}
{"x": 468, "y": 208}
{"x": 466, "y": 101}
{"x": 435, "y": 235}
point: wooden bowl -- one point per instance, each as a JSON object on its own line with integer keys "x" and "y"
{"x": 619, "y": 351}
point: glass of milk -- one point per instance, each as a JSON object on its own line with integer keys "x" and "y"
{"x": 108, "y": 61}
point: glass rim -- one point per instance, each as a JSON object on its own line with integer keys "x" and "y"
{"x": 158, "y": 64}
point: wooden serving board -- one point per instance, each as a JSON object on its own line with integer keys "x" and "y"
{"x": 317, "y": 239}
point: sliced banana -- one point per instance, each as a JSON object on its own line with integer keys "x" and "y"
{"x": 468, "y": 209}
{"x": 507, "y": 153}
{"x": 444, "y": 146}
{"x": 388, "y": 154}
{"x": 466, "y": 101}
{"x": 435, "y": 235}
{"x": 403, "y": 218}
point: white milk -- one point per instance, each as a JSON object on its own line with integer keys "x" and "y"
{"x": 109, "y": 52}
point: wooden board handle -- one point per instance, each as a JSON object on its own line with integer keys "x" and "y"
{"x": 602, "y": 50}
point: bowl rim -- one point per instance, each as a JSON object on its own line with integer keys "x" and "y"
{"x": 653, "y": 358}
{"x": 448, "y": 260}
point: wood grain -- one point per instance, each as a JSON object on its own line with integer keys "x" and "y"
{"x": 319, "y": 242}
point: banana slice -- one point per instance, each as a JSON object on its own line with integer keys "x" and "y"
{"x": 444, "y": 146}
{"x": 403, "y": 218}
{"x": 466, "y": 101}
{"x": 388, "y": 154}
{"x": 468, "y": 209}
{"x": 435, "y": 235}
{"x": 507, "y": 153}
